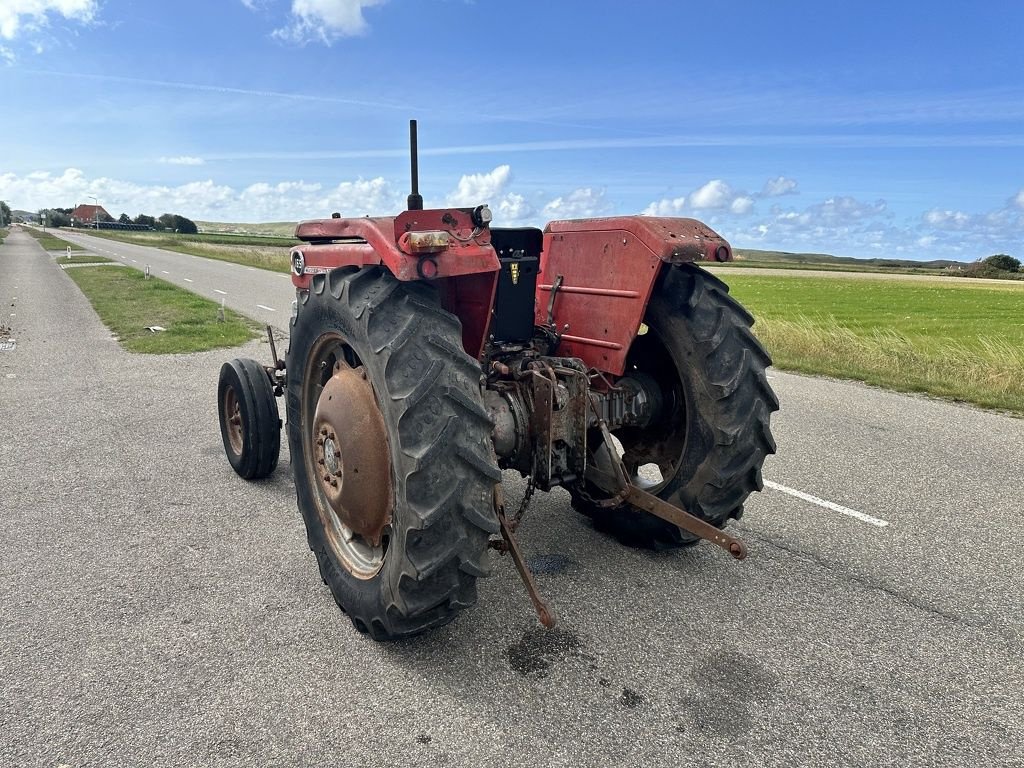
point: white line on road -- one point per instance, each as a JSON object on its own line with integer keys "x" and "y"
{"x": 264, "y": 306}
{"x": 187, "y": 279}
{"x": 828, "y": 504}
{"x": 218, "y": 290}
{"x": 164, "y": 272}
{"x": 136, "y": 261}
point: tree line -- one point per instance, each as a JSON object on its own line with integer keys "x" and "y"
{"x": 61, "y": 217}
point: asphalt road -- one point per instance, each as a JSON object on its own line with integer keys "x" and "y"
{"x": 262, "y": 295}
{"x": 157, "y": 610}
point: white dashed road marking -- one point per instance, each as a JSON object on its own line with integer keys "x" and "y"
{"x": 187, "y": 279}
{"x": 828, "y": 504}
{"x": 164, "y": 272}
{"x": 218, "y": 290}
{"x": 264, "y": 306}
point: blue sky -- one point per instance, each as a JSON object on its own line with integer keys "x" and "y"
{"x": 863, "y": 129}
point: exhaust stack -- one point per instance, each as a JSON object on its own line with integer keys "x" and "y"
{"x": 415, "y": 199}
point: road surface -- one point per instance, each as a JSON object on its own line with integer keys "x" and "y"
{"x": 157, "y": 610}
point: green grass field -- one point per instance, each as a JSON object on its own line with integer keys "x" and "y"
{"x": 83, "y": 258}
{"x": 49, "y": 241}
{"x": 128, "y": 303}
{"x": 250, "y": 250}
{"x": 955, "y": 339}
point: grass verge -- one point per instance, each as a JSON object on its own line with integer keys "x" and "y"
{"x": 251, "y": 251}
{"x": 128, "y": 304}
{"x": 3, "y": 234}
{"x": 959, "y": 340}
{"x": 83, "y": 258}
{"x": 50, "y": 242}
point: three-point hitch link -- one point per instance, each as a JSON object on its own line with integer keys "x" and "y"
{"x": 608, "y": 473}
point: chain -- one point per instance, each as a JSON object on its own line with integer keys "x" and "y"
{"x": 530, "y": 487}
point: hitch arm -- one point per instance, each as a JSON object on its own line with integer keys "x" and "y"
{"x": 617, "y": 482}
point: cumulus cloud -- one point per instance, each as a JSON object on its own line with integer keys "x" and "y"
{"x": 1019, "y": 199}
{"x": 182, "y": 160}
{"x": 742, "y": 205}
{"x": 947, "y": 219}
{"x": 325, "y": 20}
{"x": 666, "y": 207}
{"x": 715, "y": 194}
{"x": 582, "y": 203}
{"x": 17, "y": 15}
{"x": 514, "y": 209}
{"x": 203, "y": 199}
{"x": 477, "y": 188}
{"x": 778, "y": 187}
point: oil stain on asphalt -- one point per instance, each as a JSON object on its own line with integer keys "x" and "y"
{"x": 728, "y": 686}
{"x": 539, "y": 648}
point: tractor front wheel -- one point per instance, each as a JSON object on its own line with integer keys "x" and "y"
{"x": 704, "y": 450}
{"x": 391, "y": 453}
{"x": 249, "y": 423}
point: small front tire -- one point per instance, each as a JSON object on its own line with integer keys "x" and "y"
{"x": 249, "y": 423}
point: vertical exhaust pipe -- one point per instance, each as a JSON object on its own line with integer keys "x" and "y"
{"x": 415, "y": 200}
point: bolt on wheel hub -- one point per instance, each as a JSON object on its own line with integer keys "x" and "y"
{"x": 350, "y": 451}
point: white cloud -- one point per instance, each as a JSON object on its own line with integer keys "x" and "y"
{"x": 779, "y": 186}
{"x": 325, "y": 20}
{"x": 288, "y": 200}
{"x": 182, "y": 160}
{"x": 477, "y": 188}
{"x": 6, "y": 54}
{"x": 742, "y": 205}
{"x": 715, "y": 194}
{"x": 666, "y": 207}
{"x": 947, "y": 219}
{"x": 514, "y": 209}
{"x": 1019, "y": 199}
{"x": 582, "y": 203}
{"x": 16, "y": 15}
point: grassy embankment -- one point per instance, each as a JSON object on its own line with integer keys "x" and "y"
{"x": 3, "y": 234}
{"x": 953, "y": 339}
{"x": 128, "y": 304}
{"x": 51, "y": 242}
{"x": 249, "y": 250}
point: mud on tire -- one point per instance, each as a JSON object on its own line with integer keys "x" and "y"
{"x": 443, "y": 466}
{"x": 713, "y": 435}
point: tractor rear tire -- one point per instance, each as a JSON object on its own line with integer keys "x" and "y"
{"x": 250, "y": 426}
{"x": 415, "y": 381}
{"x": 713, "y": 433}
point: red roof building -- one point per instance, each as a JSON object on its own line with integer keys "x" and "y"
{"x": 88, "y": 215}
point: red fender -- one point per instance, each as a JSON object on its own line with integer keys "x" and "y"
{"x": 608, "y": 268}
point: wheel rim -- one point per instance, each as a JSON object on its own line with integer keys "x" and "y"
{"x": 663, "y": 443}
{"x": 233, "y": 421}
{"x": 348, "y": 462}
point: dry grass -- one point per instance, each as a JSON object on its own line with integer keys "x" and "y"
{"x": 959, "y": 339}
{"x": 988, "y": 371}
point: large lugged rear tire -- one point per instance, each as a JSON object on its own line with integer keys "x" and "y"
{"x": 438, "y": 470}
{"x": 713, "y": 433}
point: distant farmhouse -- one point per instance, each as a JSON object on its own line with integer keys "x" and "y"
{"x": 89, "y": 215}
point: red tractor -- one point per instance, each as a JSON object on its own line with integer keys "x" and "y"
{"x": 429, "y": 351}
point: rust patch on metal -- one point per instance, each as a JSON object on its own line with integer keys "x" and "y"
{"x": 350, "y": 451}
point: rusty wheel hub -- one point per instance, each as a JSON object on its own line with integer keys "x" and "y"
{"x": 350, "y": 451}
{"x": 233, "y": 417}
